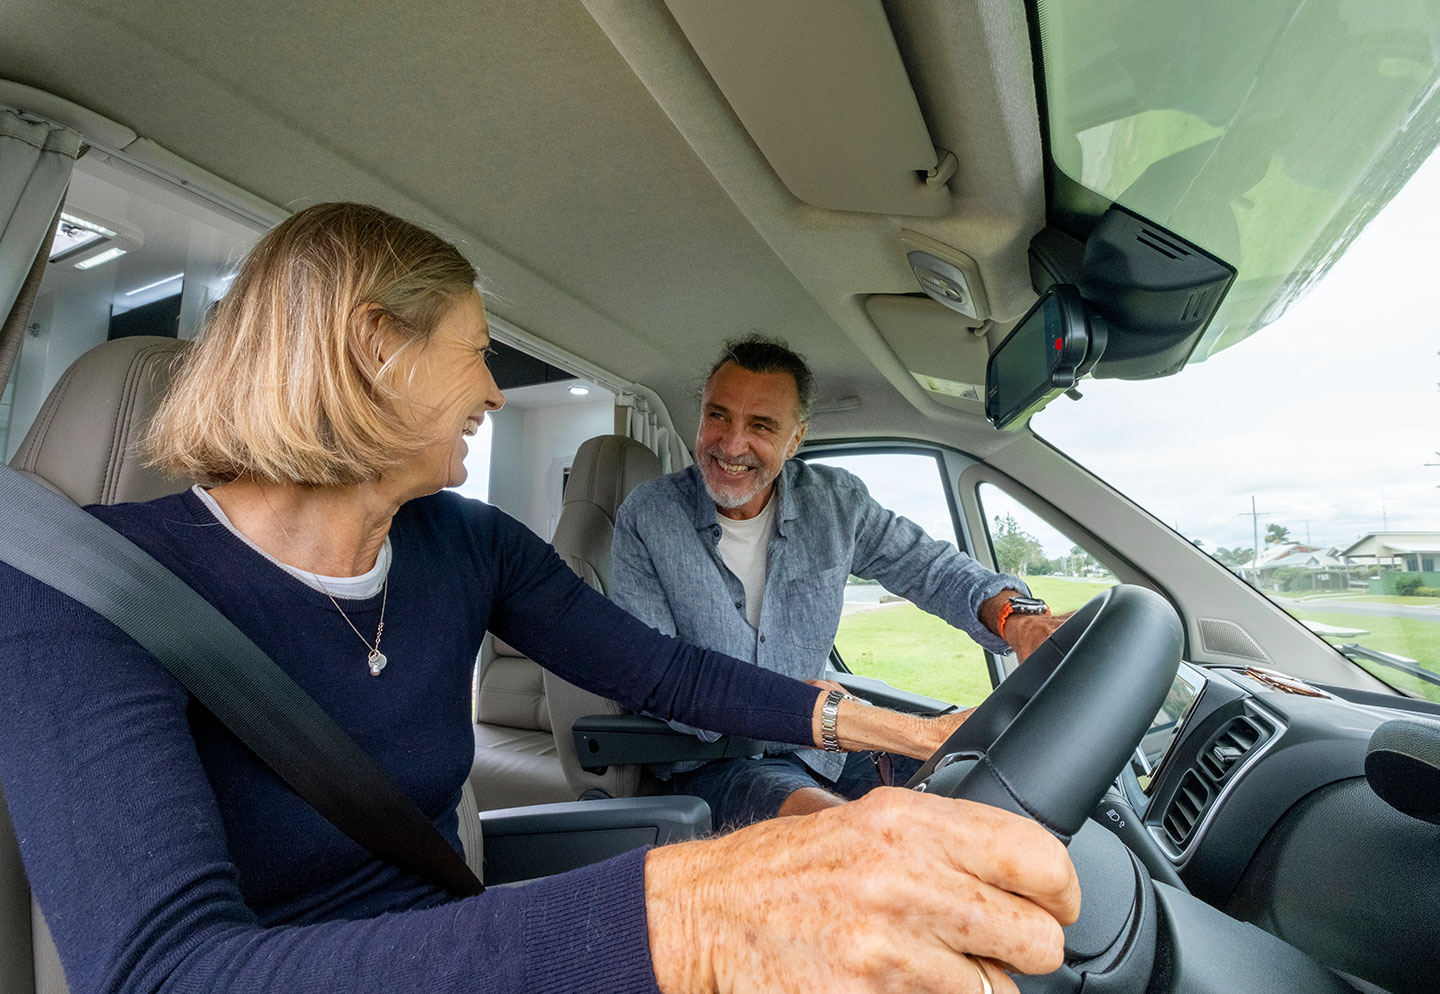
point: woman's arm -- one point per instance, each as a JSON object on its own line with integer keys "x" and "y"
{"x": 547, "y": 612}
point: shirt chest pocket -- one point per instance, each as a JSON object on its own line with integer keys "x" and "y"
{"x": 812, "y": 607}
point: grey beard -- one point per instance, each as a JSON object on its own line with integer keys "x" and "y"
{"x": 732, "y": 500}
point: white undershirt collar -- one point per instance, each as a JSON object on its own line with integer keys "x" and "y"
{"x": 360, "y": 587}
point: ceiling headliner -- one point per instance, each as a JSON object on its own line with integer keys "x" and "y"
{"x": 616, "y": 207}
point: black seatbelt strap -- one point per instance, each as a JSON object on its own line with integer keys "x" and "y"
{"x": 57, "y": 543}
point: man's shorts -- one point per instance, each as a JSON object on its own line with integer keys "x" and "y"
{"x": 743, "y": 791}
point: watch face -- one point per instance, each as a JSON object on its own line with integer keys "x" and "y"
{"x": 1028, "y": 605}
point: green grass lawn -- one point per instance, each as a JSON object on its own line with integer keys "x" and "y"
{"x": 912, "y": 650}
{"x": 915, "y": 651}
{"x": 1412, "y": 637}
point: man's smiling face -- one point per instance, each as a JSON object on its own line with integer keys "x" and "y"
{"x": 749, "y": 425}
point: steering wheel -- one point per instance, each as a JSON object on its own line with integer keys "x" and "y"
{"x": 1047, "y": 744}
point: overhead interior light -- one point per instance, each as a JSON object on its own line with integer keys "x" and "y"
{"x": 72, "y": 234}
{"x": 579, "y": 391}
{"x": 151, "y": 286}
{"x": 101, "y": 259}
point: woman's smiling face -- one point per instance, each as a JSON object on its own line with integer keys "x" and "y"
{"x": 449, "y": 388}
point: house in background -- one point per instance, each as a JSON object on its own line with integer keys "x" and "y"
{"x": 1299, "y": 567}
{"x": 1398, "y": 554}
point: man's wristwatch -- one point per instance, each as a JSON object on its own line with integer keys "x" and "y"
{"x": 1019, "y": 605}
{"x": 829, "y": 712}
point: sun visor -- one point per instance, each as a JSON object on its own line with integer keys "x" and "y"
{"x": 940, "y": 348}
{"x": 823, "y": 92}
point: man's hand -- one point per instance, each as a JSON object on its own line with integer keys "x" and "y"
{"x": 893, "y": 892}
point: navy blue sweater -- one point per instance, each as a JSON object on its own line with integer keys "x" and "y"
{"x": 167, "y": 858}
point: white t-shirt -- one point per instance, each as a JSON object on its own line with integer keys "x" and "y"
{"x": 742, "y": 547}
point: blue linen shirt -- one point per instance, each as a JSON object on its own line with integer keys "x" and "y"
{"x": 667, "y": 571}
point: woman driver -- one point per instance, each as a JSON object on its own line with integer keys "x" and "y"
{"x": 329, "y": 400}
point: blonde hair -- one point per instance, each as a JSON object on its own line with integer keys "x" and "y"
{"x": 288, "y": 384}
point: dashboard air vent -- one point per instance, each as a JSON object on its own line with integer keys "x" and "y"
{"x": 1233, "y": 744}
{"x": 1191, "y": 801}
{"x": 1240, "y": 737}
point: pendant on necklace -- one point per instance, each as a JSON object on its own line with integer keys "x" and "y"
{"x": 377, "y": 661}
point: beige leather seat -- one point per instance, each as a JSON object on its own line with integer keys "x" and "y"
{"x": 515, "y": 758}
{"x": 83, "y": 444}
{"x": 524, "y": 753}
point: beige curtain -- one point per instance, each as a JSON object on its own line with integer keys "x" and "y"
{"x": 36, "y": 158}
{"x": 635, "y": 419}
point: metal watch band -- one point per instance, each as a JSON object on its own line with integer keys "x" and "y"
{"x": 829, "y": 712}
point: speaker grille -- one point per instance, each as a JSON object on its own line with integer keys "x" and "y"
{"x": 1229, "y": 639}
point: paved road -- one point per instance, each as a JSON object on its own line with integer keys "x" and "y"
{"x": 1349, "y": 606}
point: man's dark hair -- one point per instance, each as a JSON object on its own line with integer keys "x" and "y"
{"x": 761, "y": 354}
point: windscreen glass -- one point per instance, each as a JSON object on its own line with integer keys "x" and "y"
{"x": 1268, "y": 132}
{"x": 1294, "y": 140}
{"x": 1305, "y": 458}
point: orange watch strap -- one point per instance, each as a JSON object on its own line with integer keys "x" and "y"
{"x": 1005, "y": 612}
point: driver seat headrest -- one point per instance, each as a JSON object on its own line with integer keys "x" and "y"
{"x": 85, "y": 440}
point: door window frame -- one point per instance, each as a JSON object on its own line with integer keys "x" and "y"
{"x": 951, "y": 466}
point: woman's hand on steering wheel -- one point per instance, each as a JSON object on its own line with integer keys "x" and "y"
{"x": 898, "y": 891}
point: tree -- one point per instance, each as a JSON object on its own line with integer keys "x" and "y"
{"x": 1234, "y": 557}
{"x": 1080, "y": 561}
{"x": 1016, "y": 550}
{"x": 1276, "y": 534}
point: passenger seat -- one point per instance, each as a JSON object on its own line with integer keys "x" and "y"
{"x": 524, "y": 752}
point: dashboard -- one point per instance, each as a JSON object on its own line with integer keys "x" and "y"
{"x": 1249, "y": 790}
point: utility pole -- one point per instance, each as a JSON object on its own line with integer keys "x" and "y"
{"x": 1255, "y": 527}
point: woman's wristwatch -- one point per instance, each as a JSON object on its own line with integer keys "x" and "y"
{"x": 1019, "y": 605}
{"x": 829, "y": 712}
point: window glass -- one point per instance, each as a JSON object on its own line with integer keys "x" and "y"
{"x": 885, "y": 636}
{"x": 1056, "y": 569}
{"x": 1304, "y": 459}
{"x": 1267, "y": 133}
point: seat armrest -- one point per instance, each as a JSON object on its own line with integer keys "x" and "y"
{"x": 877, "y": 691}
{"x": 603, "y": 740}
{"x": 543, "y": 839}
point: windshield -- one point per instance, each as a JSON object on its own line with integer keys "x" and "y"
{"x": 1305, "y": 457}
{"x": 1268, "y": 132}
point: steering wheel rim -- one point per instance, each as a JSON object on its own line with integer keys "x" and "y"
{"x": 1053, "y": 737}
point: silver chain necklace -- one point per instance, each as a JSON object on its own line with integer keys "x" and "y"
{"x": 375, "y": 660}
